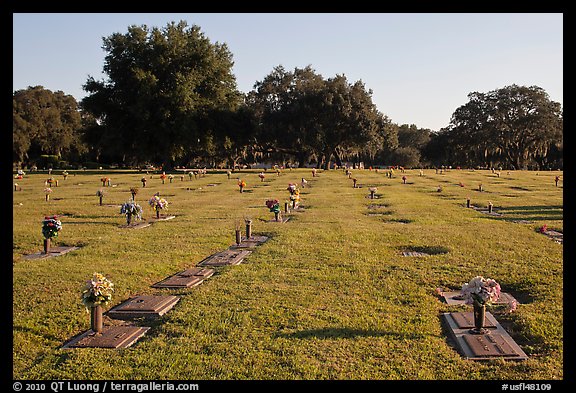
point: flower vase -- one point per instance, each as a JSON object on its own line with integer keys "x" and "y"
{"x": 479, "y": 315}
{"x": 157, "y": 213}
{"x": 100, "y": 201}
{"x": 276, "y": 216}
{"x": 294, "y": 204}
{"x": 46, "y": 246}
{"x": 371, "y": 194}
{"x": 96, "y": 318}
{"x": 47, "y": 197}
{"x": 286, "y": 207}
{"x": 241, "y": 189}
{"x": 128, "y": 218}
{"x": 238, "y": 237}
{"x": 133, "y": 196}
{"x": 248, "y": 229}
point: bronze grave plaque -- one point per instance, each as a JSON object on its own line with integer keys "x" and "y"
{"x": 225, "y": 258}
{"x": 186, "y": 279}
{"x": 250, "y": 242}
{"x": 489, "y": 345}
{"x": 144, "y": 306}
{"x": 111, "y": 337}
{"x": 465, "y": 320}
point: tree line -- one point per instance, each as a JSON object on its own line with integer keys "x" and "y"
{"x": 170, "y": 98}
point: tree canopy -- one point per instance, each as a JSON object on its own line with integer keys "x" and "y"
{"x": 163, "y": 87}
{"x": 511, "y": 125}
{"x": 44, "y": 123}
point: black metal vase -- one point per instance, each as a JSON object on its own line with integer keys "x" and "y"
{"x": 479, "y": 316}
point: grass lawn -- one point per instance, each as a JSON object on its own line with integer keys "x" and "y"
{"x": 329, "y": 296}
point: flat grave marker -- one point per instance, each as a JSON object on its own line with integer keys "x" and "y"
{"x": 54, "y": 251}
{"x": 414, "y": 254}
{"x": 225, "y": 258}
{"x": 112, "y": 337}
{"x": 185, "y": 279}
{"x": 250, "y": 242}
{"x": 144, "y": 306}
{"x": 497, "y": 343}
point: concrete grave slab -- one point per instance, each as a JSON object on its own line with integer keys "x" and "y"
{"x": 456, "y": 298}
{"x": 55, "y": 251}
{"x": 497, "y": 343}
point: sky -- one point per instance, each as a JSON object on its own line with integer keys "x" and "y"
{"x": 420, "y": 66}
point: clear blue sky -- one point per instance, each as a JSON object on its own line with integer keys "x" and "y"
{"x": 420, "y": 66}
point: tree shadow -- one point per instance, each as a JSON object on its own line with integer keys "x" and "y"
{"x": 343, "y": 332}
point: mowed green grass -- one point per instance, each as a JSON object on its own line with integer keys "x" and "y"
{"x": 329, "y": 296}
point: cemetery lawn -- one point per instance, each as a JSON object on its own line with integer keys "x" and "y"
{"x": 329, "y": 296}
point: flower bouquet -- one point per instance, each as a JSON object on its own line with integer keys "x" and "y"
{"x": 295, "y": 198}
{"x": 47, "y": 191}
{"x": 241, "y": 184}
{"x": 291, "y": 188}
{"x": 372, "y": 191}
{"x": 158, "y": 204}
{"x": 170, "y": 177}
{"x": 130, "y": 209}
{"x": 261, "y": 176}
{"x": 100, "y": 194}
{"x": 143, "y": 180}
{"x": 274, "y": 206}
{"x": 65, "y": 174}
{"x": 479, "y": 292}
{"x": 404, "y": 179}
{"x": 96, "y": 293}
{"x": 163, "y": 177}
{"x": 50, "y": 228}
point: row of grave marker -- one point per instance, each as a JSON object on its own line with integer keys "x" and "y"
{"x": 154, "y": 306}
{"x": 497, "y": 343}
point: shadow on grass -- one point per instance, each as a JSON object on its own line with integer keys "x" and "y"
{"x": 341, "y": 332}
{"x": 430, "y": 250}
{"x": 534, "y": 213}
